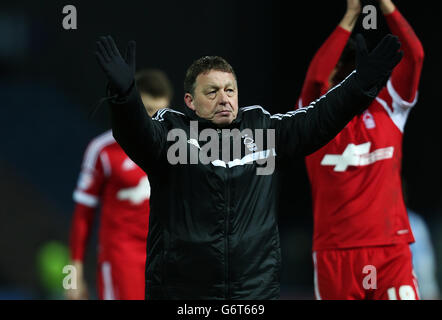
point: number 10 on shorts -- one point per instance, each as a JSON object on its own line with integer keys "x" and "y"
{"x": 406, "y": 292}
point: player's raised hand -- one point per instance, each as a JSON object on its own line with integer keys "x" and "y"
{"x": 354, "y": 5}
{"x": 120, "y": 72}
{"x": 387, "y": 6}
{"x": 373, "y": 69}
{"x": 351, "y": 15}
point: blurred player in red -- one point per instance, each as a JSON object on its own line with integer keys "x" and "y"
{"x": 361, "y": 229}
{"x": 111, "y": 181}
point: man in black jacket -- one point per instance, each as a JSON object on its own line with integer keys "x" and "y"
{"x": 213, "y": 230}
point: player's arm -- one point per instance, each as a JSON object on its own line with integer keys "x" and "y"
{"x": 327, "y": 56}
{"x": 82, "y": 222}
{"x": 86, "y": 197}
{"x": 351, "y": 15}
{"x": 139, "y": 136}
{"x": 406, "y": 75}
{"x": 305, "y": 130}
{"x": 81, "y": 226}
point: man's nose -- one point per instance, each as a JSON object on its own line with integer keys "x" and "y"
{"x": 223, "y": 97}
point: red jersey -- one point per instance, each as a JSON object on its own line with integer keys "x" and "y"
{"x": 111, "y": 180}
{"x": 356, "y": 178}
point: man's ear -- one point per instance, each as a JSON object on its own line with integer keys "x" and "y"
{"x": 188, "y": 99}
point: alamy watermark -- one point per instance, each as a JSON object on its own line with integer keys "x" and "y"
{"x": 370, "y": 280}
{"x": 370, "y": 20}
{"x": 70, "y": 20}
{"x": 405, "y": 292}
{"x": 237, "y": 147}
{"x": 70, "y": 281}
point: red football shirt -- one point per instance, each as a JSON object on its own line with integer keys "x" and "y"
{"x": 110, "y": 180}
{"x": 356, "y": 178}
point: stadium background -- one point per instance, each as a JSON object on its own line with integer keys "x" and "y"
{"x": 49, "y": 81}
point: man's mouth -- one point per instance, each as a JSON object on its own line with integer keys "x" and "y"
{"x": 224, "y": 112}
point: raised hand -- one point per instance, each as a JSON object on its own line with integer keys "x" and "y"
{"x": 387, "y": 6}
{"x": 354, "y": 5}
{"x": 351, "y": 15}
{"x": 120, "y": 72}
{"x": 373, "y": 69}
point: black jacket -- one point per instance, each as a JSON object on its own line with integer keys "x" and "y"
{"x": 213, "y": 230}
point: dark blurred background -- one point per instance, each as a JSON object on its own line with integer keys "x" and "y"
{"x": 49, "y": 81}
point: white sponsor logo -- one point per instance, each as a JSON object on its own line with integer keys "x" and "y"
{"x": 246, "y": 159}
{"x": 137, "y": 194}
{"x": 356, "y": 155}
{"x": 194, "y": 142}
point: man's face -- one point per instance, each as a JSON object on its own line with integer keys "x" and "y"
{"x": 215, "y": 97}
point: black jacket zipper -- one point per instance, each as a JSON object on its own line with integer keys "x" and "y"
{"x": 226, "y": 228}
{"x": 227, "y": 251}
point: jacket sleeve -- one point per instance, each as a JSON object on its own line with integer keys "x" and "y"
{"x": 301, "y": 132}
{"x": 142, "y": 138}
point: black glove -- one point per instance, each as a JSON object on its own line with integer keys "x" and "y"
{"x": 373, "y": 69}
{"x": 120, "y": 72}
